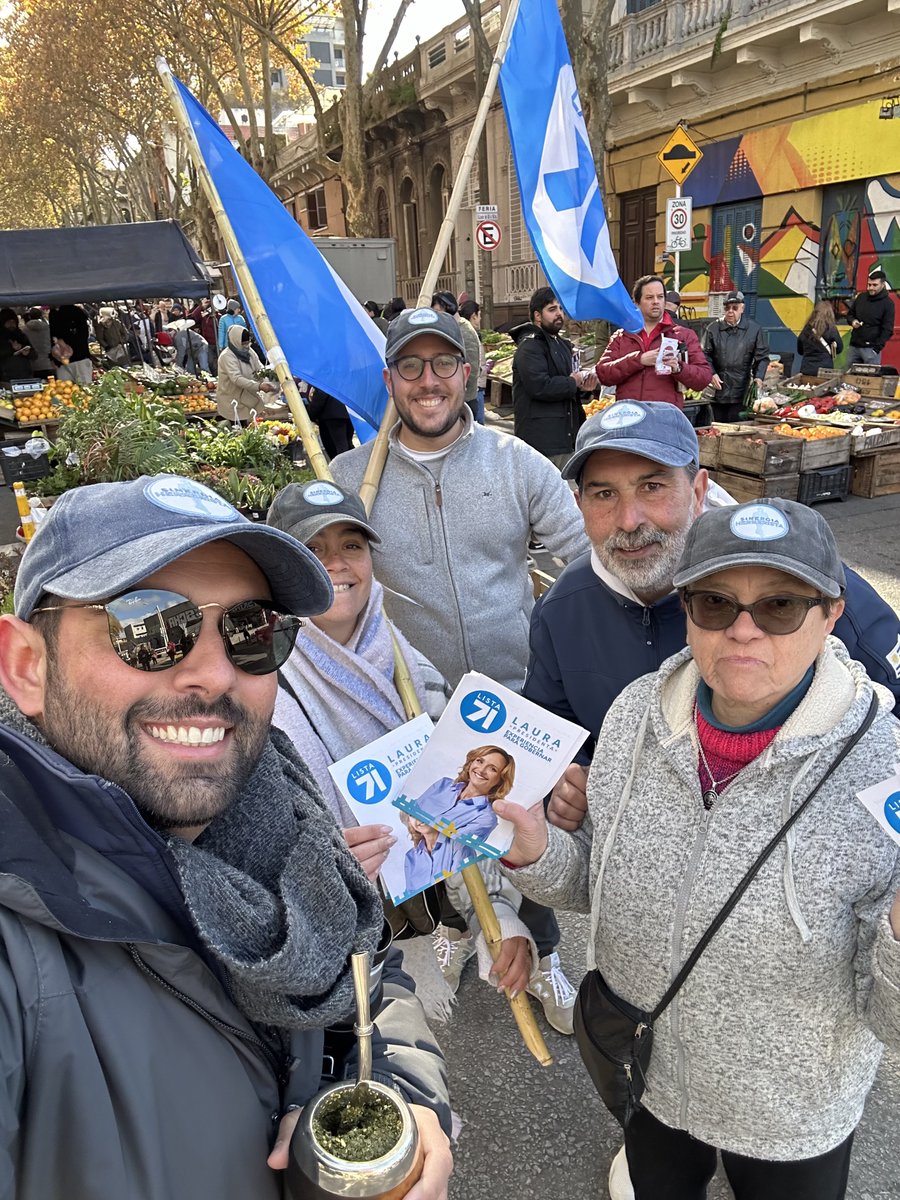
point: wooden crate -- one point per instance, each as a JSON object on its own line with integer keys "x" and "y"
{"x": 756, "y": 487}
{"x": 709, "y": 446}
{"x": 886, "y": 435}
{"x": 877, "y": 474}
{"x": 870, "y": 382}
{"x": 828, "y": 452}
{"x": 761, "y": 452}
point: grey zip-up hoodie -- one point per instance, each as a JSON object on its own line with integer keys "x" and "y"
{"x": 453, "y": 558}
{"x": 772, "y": 1044}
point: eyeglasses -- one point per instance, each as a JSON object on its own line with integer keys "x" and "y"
{"x": 444, "y": 366}
{"x": 153, "y": 630}
{"x": 772, "y": 614}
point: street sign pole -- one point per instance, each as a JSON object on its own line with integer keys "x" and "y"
{"x": 677, "y": 252}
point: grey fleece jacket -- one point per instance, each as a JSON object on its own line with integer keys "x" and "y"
{"x": 453, "y": 558}
{"x": 771, "y": 1046}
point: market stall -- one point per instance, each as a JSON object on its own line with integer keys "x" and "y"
{"x": 812, "y": 439}
{"x": 99, "y": 262}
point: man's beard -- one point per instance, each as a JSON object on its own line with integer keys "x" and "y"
{"x": 651, "y": 576}
{"x": 184, "y": 795}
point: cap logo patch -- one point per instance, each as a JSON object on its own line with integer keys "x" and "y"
{"x": 621, "y": 415}
{"x": 190, "y": 499}
{"x": 422, "y": 316}
{"x": 323, "y": 493}
{"x": 760, "y": 523}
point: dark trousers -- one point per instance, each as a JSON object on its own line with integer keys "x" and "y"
{"x": 669, "y": 1164}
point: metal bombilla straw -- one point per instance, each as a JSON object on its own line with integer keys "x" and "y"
{"x": 363, "y": 1027}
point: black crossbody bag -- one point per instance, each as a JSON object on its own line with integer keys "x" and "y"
{"x": 615, "y": 1039}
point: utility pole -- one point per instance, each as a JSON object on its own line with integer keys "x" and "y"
{"x": 483, "y": 56}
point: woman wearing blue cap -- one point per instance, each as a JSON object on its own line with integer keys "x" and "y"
{"x": 745, "y": 964}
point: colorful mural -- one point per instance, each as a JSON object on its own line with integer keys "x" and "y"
{"x": 799, "y": 260}
{"x": 845, "y": 144}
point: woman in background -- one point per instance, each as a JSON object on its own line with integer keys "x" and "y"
{"x": 818, "y": 341}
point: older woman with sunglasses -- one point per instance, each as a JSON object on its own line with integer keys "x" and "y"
{"x": 771, "y": 1043}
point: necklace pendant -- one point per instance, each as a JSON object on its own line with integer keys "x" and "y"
{"x": 710, "y": 796}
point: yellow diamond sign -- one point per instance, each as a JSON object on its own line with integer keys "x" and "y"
{"x": 680, "y": 155}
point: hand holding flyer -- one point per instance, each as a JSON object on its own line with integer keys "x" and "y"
{"x": 490, "y": 744}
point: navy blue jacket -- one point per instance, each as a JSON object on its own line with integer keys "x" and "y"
{"x": 588, "y": 643}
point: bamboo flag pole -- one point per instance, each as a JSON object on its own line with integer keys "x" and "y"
{"x": 484, "y": 910}
{"x": 275, "y": 355}
{"x": 369, "y": 487}
{"x": 475, "y": 883}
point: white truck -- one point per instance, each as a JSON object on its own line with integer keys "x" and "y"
{"x": 368, "y": 266}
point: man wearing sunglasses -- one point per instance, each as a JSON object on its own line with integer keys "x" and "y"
{"x": 177, "y": 908}
{"x": 613, "y": 615}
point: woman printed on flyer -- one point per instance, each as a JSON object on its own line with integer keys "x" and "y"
{"x": 465, "y": 805}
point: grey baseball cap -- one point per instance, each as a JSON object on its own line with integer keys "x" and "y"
{"x": 734, "y": 298}
{"x": 768, "y": 533}
{"x": 100, "y": 540}
{"x": 303, "y": 509}
{"x": 413, "y": 322}
{"x": 654, "y": 430}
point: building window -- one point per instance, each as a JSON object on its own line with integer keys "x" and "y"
{"x": 340, "y": 79}
{"x": 320, "y": 51}
{"x": 316, "y": 213}
{"x": 636, "y": 6}
{"x": 279, "y": 79}
{"x": 437, "y": 55}
{"x": 382, "y": 216}
{"x": 323, "y": 75}
{"x": 461, "y": 39}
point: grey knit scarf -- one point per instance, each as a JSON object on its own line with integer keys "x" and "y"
{"x": 274, "y": 893}
{"x": 279, "y": 900}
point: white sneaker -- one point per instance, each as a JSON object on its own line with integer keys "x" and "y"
{"x": 619, "y": 1180}
{"x": 557, "y": 996}
{"x": 453, "y": 950}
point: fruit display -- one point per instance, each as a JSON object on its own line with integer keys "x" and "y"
{"x": 598, "y": 405}
{"x": 709, "y": 431}
{"x": 193, "y": 402}
{"x": 810, "y": 433}
{"x": 46, "y": 404}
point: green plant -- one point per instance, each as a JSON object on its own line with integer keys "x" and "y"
{"x": 119, "y": 435}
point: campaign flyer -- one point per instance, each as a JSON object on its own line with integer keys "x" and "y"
{"x": 369, "y": 780}
{"x": 490, "y": 744}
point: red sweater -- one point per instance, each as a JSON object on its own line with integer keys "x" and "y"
{"x": 727, "y": 753}
{"x": 620, "y": 365}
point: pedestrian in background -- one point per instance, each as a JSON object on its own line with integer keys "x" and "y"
{"x": 738, "y": 351}
{"x": 38, "y": 329}
{"x": 233, "y": 315}
{"x": 446, "y": 302}
{"x": 819, "y": 342}
{"x": 470, "y": 311}
{"x": 871, "y": 316}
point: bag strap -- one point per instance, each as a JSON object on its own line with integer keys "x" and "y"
{"x": 727, "y": 908}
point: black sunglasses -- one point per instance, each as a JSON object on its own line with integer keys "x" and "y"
{"x": 772, "y": 614}
{"x": 153, "y": 630}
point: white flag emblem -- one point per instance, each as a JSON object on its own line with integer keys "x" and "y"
{"x": 567, "y": 202}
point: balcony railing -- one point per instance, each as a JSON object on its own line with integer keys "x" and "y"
{"x": 411, "y": 285}
{"x": 670, "y": 26}
{"x": 516, "y": 281}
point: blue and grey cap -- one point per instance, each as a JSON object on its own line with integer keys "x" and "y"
{"x": 413, "y": 322}
{"x": 768, "y": 533}
{"x": 100, "y": 540}
{"x": 658, "y": 431}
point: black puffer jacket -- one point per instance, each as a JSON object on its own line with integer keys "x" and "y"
{"x": 547, "y": 409}
{"x": 877, "y": 316}
{"x": 736, "y": 353}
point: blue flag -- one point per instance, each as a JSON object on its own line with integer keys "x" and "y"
{"x": 327, "y": 336}
{"x": 561, "y": 198}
